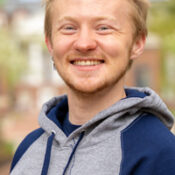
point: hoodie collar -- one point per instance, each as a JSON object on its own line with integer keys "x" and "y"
{"x": 138, "y": 99}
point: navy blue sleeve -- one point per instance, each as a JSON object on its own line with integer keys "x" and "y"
{"x": 148, "y": 148}
{"x": 25, "y": 144}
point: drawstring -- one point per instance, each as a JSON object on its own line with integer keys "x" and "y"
{"x": 73, "y": 152}
{"x": 48, "y": 154}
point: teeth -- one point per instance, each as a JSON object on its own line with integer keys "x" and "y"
{"x": 86, "y": 62}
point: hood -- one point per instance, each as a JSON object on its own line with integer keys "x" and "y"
{"x": 138, "y": 100}
{"x": 101, "y": 134}
{"x": 108, "y": 122}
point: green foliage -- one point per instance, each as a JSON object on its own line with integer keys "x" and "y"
{"x": 173, "y": 111}
{"x": 162, "y": 22}
{"x": 12, "y": 60}
{"x": 6, "y": 151}
{"x": 2, "y": 2}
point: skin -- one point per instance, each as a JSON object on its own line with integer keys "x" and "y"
{"x": 92, "y": 30}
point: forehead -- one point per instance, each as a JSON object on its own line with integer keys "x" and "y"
{"x": 89, "y": 8}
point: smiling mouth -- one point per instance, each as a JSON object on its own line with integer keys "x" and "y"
{"x": 87, "y": 62}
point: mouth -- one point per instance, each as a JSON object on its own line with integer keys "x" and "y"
{"x": 88, "y": 62}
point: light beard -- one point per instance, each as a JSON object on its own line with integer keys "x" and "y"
{"x": 86, "y": 55}
{"x": 104, "y": 87}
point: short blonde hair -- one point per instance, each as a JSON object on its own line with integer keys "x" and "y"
{"x": 139, "y": 17}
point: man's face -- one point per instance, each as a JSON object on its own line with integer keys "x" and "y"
{"x": 92, "y": 42}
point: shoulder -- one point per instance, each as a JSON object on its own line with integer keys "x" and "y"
{"x": 25, "y": 144}
{"x": 150, "y": 128}
{"x": 149, "y": 144}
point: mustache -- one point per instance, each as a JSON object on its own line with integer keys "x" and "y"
{"x": 86, "y": 56}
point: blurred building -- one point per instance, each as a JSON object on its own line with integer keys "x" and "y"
{"x": 40, "y": 82}
{"x": 146, "y": 70}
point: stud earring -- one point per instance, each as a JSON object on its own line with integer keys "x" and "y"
{"x": 54, "y": 67}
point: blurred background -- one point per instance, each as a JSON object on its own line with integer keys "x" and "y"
{"x": 27, "y": 77}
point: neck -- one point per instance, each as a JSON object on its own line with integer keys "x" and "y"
{"x": 83, "y": 108}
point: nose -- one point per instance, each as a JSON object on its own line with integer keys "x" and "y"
{"x": 85, "y": 41}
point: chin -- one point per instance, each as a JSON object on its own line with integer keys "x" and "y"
{"x": 84, "y": 88}
{"x": 88, "y": 89}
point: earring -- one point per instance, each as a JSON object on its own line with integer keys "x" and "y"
{"x": 54, "y": 67}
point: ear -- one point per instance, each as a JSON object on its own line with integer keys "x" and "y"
{"x": 49, "y": 45}
{"x": 138, "y": 47}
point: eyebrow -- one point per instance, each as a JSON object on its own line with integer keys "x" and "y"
{"x": 66, "y": 18}
{"x": 98, "y": 18}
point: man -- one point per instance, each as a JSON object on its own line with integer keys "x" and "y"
{"x": 99, "y": 127}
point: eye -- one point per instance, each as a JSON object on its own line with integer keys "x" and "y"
{"x": 68, "y": 29}
{"x": 104, "y": 29}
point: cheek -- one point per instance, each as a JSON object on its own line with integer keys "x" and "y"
{"x": 112, "y": 47}
{"x": 116, "y": 46}
{"x": 61, "y": 46}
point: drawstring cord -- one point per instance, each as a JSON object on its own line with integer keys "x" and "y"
{"x": 48, "y": 154}
{"x": 73, "y": 152}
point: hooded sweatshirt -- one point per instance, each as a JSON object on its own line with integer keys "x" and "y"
{"x": 131, "y": 137}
